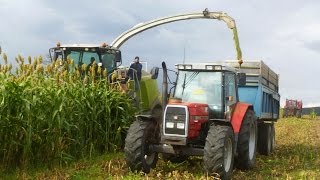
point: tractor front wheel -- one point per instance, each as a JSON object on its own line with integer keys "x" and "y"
{"x": 219, "y": 151}
{"x": 140, "y": 135}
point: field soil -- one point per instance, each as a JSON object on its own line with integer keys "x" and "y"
{"x": 297, "y": 156}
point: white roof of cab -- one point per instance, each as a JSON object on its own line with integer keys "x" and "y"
{"x": 202, "y": 66}
{"x": 81, "y": 45}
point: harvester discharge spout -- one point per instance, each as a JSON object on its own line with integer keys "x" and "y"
{"x": 206, "y": 14}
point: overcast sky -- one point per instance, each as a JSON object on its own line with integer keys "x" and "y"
{"x": 284, "y": 34}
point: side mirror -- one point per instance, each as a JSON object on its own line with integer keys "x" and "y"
{"x": 154, "y": 72}
{"x": 118, "y": 57}
{"x": 242, "y": 78}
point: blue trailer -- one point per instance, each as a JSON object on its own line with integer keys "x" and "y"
{"x": 262, "y": 91}
{"x": 265, "y": 101}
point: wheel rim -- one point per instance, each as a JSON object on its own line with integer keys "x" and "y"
{"x": 270, "y": 139}
{"x": 227, "y": 155}
{"x": 148, "y": 155}
{"x": 252, "y": 141}
{"x": 149, "y": 158}
{"x": 273, "y": 138}
{"x": 273, "y": 142}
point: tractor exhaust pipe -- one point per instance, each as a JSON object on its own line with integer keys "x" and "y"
{"x": 164, "y": 86}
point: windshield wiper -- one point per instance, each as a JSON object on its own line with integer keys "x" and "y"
{"x": 190, "y": 79}
{"x": 184, "y": 83}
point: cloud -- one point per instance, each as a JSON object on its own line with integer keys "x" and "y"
{"x": 313, "y": 45}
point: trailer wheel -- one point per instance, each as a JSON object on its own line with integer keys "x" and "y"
{"x": 266, "y": 138}
{"x": 273, "y": 136}
{"x": 219, "y": 151}
{"x": 247, "y": 141}
{"x": 137, "y": 153}
{"x": 174, "y": 158}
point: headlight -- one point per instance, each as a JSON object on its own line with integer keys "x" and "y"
{"x": 188, "y": 66}
{"x": 209, "y": 67}
{"x": 180, "y": 66}
{"x": 217, "y": 67}
{"x": 180, "y": 125}
{"x": 169, "y": 124}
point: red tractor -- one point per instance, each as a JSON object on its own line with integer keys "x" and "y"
{"x": 293, "y": 108}
{"x": 205, "y": 115}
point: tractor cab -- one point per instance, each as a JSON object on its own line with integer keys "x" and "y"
{"x": 105, "y": 56}
{"x": 211, "y": 84}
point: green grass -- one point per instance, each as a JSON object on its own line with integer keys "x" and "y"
{"x": 297, "y": 156}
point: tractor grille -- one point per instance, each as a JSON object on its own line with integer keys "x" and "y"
{"x": 175, "y": 121}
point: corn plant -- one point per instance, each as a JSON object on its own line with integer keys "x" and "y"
{"x": 55, "y": 113}
{"x": 313, "y": 113}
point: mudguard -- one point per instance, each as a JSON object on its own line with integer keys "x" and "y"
{"x": 238, "y": 115}
{"x": 144, "y": 116}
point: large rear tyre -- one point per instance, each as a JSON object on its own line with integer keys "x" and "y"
{"x": 140, "y": 135}
{"x": 247, "y": 141}
{"x": 266, "y": 142}
{"x": 219, "y": 151}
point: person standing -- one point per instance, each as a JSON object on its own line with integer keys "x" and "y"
{"x": 135, "y": 72}
{"x": 135, "y": 69}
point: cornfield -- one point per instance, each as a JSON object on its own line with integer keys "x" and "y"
{"x": 55, "y": 114}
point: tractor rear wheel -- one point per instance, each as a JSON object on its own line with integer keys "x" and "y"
{"x": 266, "y": 142}
{"x": 219, "y": 151}
{"x": 140, "y": 135}
{"x": 247, "y": 141}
